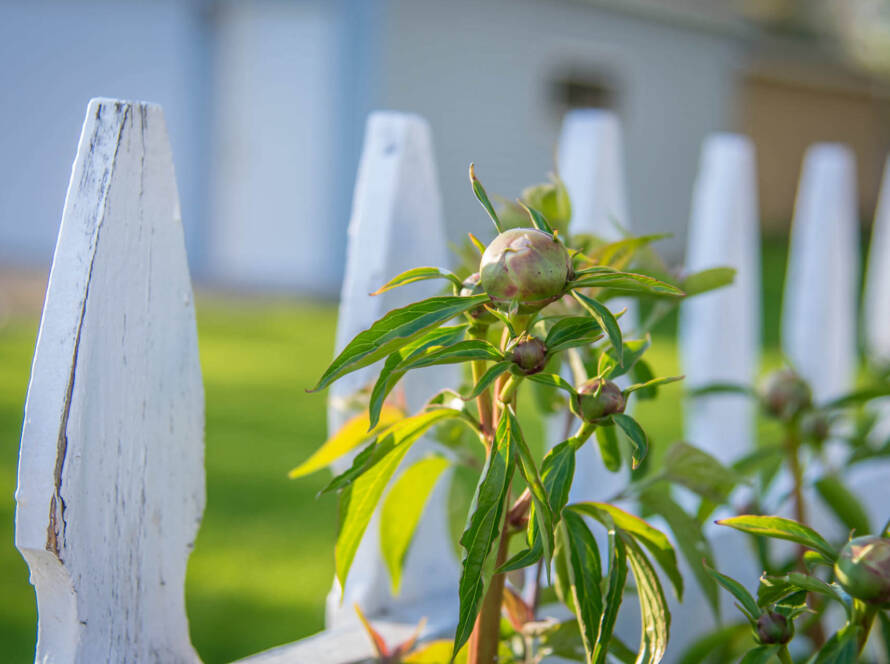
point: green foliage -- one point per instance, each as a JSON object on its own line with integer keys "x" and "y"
{"x": 402, "y": 509}
{"x": 396, "y": 329}
{"x": 483, "y": 528}
{"x": 524, "y": 279}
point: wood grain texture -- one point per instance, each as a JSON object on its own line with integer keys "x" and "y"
{"x": 111, "y": 479}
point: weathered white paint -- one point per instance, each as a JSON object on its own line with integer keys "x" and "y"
{"x": 111, "y": 480}
{"x": 396, "y": 225}
{"x": 821, "y": 296}
{"x": 720, "y": 331}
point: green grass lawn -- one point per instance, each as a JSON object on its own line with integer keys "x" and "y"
{"x": 263, "y": 558}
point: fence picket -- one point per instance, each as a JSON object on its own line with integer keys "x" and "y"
{"x": 720, "y": 331}
{"x": 396, "y": 224}
{"x": 111, "y": 479}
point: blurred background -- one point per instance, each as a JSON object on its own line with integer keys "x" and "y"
{"x": 265, "y": 103}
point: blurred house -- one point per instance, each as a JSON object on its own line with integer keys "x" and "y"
{"x": 266, "y": 100}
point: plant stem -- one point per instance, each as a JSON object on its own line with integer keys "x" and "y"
{"x": 792, "y": 454}
{"x": 482, "y": 647}
{"x": 483, "y": 401}
{"x": 785, "y": 656}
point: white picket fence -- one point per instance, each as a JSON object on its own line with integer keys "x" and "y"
{"x": 111, "y": 480}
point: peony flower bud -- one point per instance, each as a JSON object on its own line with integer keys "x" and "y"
{"x": 785, "y": 394}
{"x": 525, "y": 265}
{"x": 774, "y": 628}
{"x": 530, "y": 355}
{"x": 593, "y": 407}
{"x": 863, "y": 569}
{"x": 815, "y": 426}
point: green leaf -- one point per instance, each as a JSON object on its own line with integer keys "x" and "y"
{"x": 737, "y": 590}
{"x": 357, "y": 504}
{"x": 841, "y": 648}
{"x": 781, "y": 528}
{"x": 391, "y": 373}
{"x": 636, "y": 435}
{"x": 641, "y": 373}
{"x": 623, "y": 249}
{"x": 557, "y": 470}
{"x": 553, "y": 380}
{"x": 541, "y": 513}
{"x": 698, "y": 471}
{"x": 654, "y": 614}
{"x": 761, "y": 655}
{"x": 614, "y": 594}
{"x": 483, "y": 528}
{"x": 396, "y": 329}
{"x": 652, "y": 538}
{"x": 795, "y": 581}
{"x": 654, "y": 382}
{"x": 585, "y": 572}
{"x": 400, "y": 436}
{"x": 491, "y": 375}
{"x": 607, "y": 441}
{"x": 435, "y": 652}
{"x": 721, "y": 388}
{"x": 773, "y": 588}
{"x": 627, "y": 282}
{"x": 690, "y": 540}
{"x": 460, "y": 497}
{"x": 572, "y": 332}
{"x": 462, "y": 351}
{"x": 844, "y": 504}
{"x": 612, "y": 367}
{"x": 604, "y": 318}
{"x": 351, "y": 435}
{"x": 401, "y": 512}
{"x": 482, "y": 197}
{"x": 418, "y": 274}
{"x": 538, "y": 220}
{"x": 858, "y": 397}
{"x": 707, "y": 280}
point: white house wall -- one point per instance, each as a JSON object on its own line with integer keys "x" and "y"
{"x": 481, "y": 73}
{"x": 265, "y": 103}
{"x": 276, "y": 147}
{"x": 56, "y": 56}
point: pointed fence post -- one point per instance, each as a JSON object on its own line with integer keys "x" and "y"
{"x": 720, "y": 331}
{"x": 591, "y": 163}
{"x": 819, "y": 310}
{"x": 396, "y": 224}
{"x": 719, "y": 339}
{"x": 111, "y": 478}
{"x": 876, "y": 301}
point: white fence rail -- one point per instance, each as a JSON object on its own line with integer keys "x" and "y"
{"x": 111, "y": 480}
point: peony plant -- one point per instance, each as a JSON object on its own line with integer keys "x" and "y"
{"x": 530, "y": 321}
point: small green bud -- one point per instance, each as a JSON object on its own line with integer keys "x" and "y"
{"x": 815, "y": 426}
{"x": 785, "y": 395}
{"x": 863, "y": 569}
{"x": 525, "y": 265}
{"x": 552, "y": 200}
{"x": 597, "y": 399}
{"x": 471, "y": 286}
{"x": 530, "y": 355}
{"x": 774, "y": 628}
